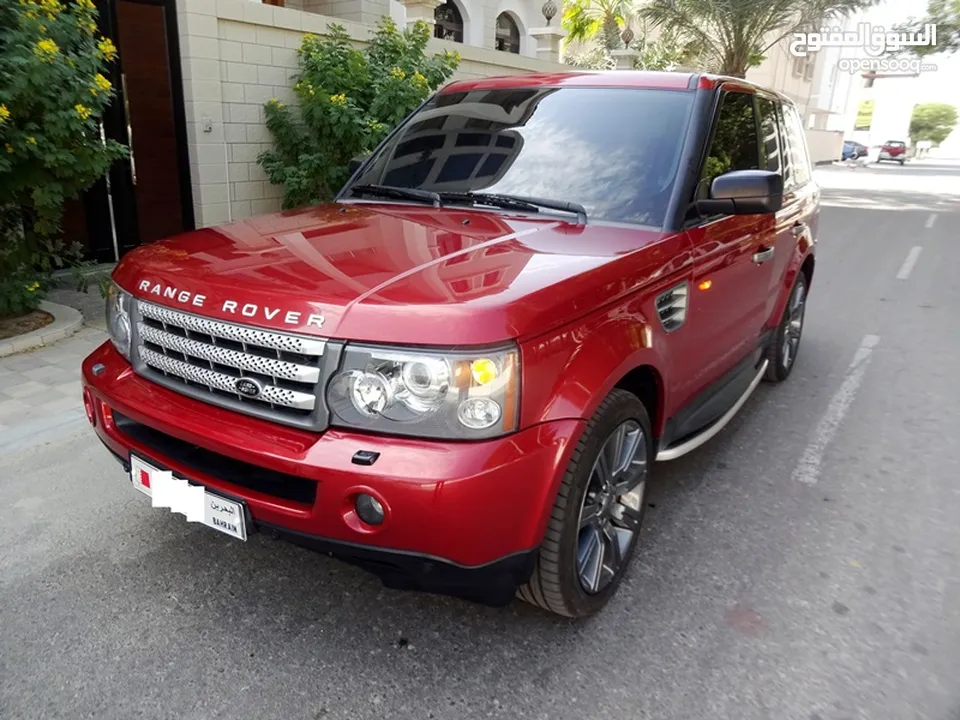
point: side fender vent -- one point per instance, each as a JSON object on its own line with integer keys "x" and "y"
{"x": 672, "y": 306}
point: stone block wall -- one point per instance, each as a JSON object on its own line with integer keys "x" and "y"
{"x": 236, "y": 55}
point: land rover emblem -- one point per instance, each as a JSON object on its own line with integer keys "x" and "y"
{"x": 248, "y": 387}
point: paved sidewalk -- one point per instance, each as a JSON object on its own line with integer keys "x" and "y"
{"x": 41, "y": 389}
{"x": 90, "y": 304}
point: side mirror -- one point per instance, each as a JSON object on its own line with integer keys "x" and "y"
{"x": 356, "y": 162}
{"x": 744, "y": 192}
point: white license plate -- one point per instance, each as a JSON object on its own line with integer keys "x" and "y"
{"x": 166, "y": 490}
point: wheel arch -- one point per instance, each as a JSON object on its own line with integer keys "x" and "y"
{"x": 807, "y": 269}
{"x": 619, "y": 353}
{"x": 802, "y": 262}
{"x": 646, "y": 383}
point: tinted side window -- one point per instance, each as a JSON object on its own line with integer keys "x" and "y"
{"x": 788, "y": 179}
{"x": 734, "y": 145}
{"x": 797, "y": 141}
{"x": 769, "y": 134}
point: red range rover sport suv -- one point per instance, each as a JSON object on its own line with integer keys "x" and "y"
{"x": 461, "y": 373}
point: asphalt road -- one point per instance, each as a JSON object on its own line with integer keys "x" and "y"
{"x": 803, "y": 565}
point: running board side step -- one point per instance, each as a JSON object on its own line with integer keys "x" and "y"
{"x": 675, "y": 451}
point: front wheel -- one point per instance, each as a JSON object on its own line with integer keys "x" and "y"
{"x": 597, "y": 515}
{"x": 786, "y": 342}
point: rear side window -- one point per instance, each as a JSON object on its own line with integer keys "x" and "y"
{"x": 796, "y": 142}
{"x": 734, "y": 145}
{"x": 769, "y": 134}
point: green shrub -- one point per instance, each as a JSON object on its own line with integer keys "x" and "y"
{"x": 348, "y": 101}
{"x": 52, "y": 92}
{"x": 19, "y": 294}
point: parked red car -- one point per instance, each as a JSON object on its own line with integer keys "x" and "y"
{"x": 895, "y": 150}
{"x": 459, "y": 374}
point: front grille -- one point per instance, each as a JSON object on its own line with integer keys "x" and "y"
{"x": 272, "y": 375}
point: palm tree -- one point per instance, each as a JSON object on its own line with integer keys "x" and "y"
{"x": 733, "y": 35}
{"x": 585, "y": 19}
{"x": 945, "y": 14}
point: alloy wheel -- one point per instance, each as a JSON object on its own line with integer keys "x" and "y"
{"x": 611, "y": 510}
{"x": 794, "y": 328}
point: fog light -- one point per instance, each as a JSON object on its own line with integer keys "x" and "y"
{"x": 369, "y": 509}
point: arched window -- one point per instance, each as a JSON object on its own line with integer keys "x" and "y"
{"x": 508, "y": 34}
{"x": 448, "y": 22}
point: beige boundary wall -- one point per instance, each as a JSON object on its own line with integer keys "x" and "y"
{"x": 236, "y": 55}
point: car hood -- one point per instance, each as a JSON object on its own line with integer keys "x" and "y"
{"x": 395, "y": 273}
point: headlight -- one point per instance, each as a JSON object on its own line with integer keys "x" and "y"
{"x": 453, "y": 395}
{"x": 118, "y": 319}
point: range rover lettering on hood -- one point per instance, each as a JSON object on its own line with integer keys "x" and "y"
{"x": 249, "y": 310}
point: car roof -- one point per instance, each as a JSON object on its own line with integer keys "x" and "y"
{"x": 651, "y": 79}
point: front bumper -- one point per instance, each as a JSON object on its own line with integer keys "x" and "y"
{"x": 460, "y": 518}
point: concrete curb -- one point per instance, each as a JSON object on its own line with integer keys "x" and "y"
{"x": 66, "y": 321}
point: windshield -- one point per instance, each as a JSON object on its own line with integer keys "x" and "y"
{"x": 613, "y": 150}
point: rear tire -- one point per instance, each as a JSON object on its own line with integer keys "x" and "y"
{"x": 782, "y": 354}
{"x": 598, "y": 512}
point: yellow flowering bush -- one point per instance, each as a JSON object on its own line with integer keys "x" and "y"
{"x": 346, "y": 102}
{"x": 54, "y": 85}
{"x": 107, "y": 50}
{"x": 51, "y": 8}
{"x": 46, "y": 49}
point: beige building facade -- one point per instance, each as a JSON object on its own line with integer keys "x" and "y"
{"x": 237, "y": 54}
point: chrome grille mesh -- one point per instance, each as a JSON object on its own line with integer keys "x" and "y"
{"x": 221, "y": 381}
{"x": 229, "y": 331}
{"x": 213, "y": 360}
{"x": 270, "y": 367}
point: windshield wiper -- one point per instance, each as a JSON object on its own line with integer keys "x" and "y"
{"x": 398, "y": 192}
{"x": 519, "y": 202}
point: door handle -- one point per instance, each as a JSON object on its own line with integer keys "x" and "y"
{"x": 798, "y": 228}
{"x": 761, "y": 256}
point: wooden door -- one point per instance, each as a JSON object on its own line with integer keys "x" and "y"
{"x": 155, "y": 169}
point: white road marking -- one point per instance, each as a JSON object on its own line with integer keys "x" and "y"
{"x": 808, "y": 469}
{"x": 908, "y": 264}
{"x": 931, "y": 220}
